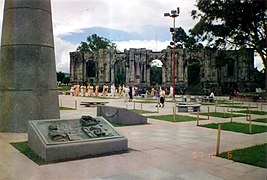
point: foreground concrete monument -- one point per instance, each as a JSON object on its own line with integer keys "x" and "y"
{"x": 28, "y": 89}
{"x": 77, "y": 138}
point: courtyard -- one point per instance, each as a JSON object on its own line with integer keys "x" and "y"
{"x": 157, "y": 150}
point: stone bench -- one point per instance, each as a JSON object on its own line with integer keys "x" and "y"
{"x": 186, "y": 107}
{"x": 92, "y": 103}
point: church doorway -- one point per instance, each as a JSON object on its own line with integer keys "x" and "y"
{"x": 193, "y": 70}
{"x": 119, "y": 73}
{"x": 156, "y": 72}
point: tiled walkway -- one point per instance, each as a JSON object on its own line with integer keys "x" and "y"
{"x": 159, "y": 150}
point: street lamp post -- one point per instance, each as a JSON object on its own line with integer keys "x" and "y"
{"x": 173, "y": 14}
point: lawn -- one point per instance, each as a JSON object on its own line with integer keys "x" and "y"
{"x": 262, "y": 120}
{"x": 178, "y": 118}
{"x": 66, "y": 108}
{"x": 222, "y": 115}
{"x": 238, "y": 107}
{"x": 253, "y": 112}
{"x": 218, "y": 102}
{"x": 139, "y": 111}
{"x": 255, "y": 155}
{"x": 237, "y": 127}
{"x": 24, "y": 149}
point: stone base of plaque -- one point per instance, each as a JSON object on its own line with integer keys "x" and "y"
{"x": 72, "y": 141}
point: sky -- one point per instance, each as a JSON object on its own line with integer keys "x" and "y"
{"x": 128, "y": 23}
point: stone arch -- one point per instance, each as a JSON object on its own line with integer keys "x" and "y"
{"x": 194, "y": 71}
{"x": 119, "y": 72}
{"x": 161, "y": 56}
{"x": 156, "y": 72}
{"x": 231, "y": 67}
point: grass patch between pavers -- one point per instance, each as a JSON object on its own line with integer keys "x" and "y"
{"x": 262, "y": 120}
{"x": 66, "y": 108}
{"x": 178, "y": 118}
{"x": 222, "y": 115}
{"x": 146, "y": 101}
{"x": 237, "y": 127}
{"x": 121, "y": 125}
{"x": 24, "y": 149}
{"x": 139, "y": 111}
{"x": 255, "y": 155}
{"x": 238, "y": 107}
{"x": 253, "y": 112}
{"x": 219, "y": 102}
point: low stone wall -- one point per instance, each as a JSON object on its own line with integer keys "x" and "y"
{"x": 120, "y": 115}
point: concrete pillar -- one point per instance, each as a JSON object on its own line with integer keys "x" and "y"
{"x": 28, "y": 89}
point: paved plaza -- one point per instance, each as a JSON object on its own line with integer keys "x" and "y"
{"x": 158, "y": 150}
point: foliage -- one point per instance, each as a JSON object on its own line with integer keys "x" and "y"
{"x": 66, "y": 80}
{"x": 156, "y": 75}
{"x": 255, "y": 155}
{"x": 185, "y": 41}
{"x": 236, "y": 23}
{"x": 94, "y": 43}
{"x": 60, "y": 76}
{"x": 259, "y": 78}
{"x": 237, "y": 127}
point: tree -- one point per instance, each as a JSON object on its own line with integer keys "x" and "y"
{"x": 94, "y": 43}
{"x": 156, "y": 75}
{"x": 60, "y": 76}
{"x": 185, "y": 41}
{"x": 233, "y": 24}
{"x": 66, "y": 80}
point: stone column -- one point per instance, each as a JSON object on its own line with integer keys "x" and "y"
{"x": 148, "y": 75}
{"x": 28, "y": 89}
{"x": 163, "y": 75}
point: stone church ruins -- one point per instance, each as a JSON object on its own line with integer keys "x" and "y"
{"x": 206, "y": 70}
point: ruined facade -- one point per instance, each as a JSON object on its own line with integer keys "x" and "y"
{"x": 196, "y": 70}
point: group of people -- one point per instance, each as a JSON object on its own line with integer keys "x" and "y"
{"x": 127, "y": 92}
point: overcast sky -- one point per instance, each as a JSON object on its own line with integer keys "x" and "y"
{"x": 129, "y": 23}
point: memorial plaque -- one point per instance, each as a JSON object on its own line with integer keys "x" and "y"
{"x": 68, "y": 139}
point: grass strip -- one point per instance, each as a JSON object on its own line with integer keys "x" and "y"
{"x": 24, "y": 149}
{"x": 178, "y": 118}
{"x": 237, "y": 127}
{"x": 222, "y": 115}
{"x": 238, "y": 107}
{"x": 262, "y": 120}
{"x": 139, "y": 111}
{"x": 66, "y": 108}
{"x": 255, "y": 155}
{"x": 253, "y": 112}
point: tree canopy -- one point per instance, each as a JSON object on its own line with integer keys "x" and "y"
{"x": 183, "y": 40}
{"x": 94, "y": 43}
{"x": 232, "y": 24}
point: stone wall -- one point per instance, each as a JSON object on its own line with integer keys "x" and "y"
{"x": 219, "y": 71}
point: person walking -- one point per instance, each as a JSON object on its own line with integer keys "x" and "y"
{"x": 126, "y": 93}
{"x": 162, "y": 97}
{"x": 157, "y": 94}
{"x": 131, "y": 94}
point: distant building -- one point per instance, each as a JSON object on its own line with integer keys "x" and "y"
{"x": 197, "y": 71}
